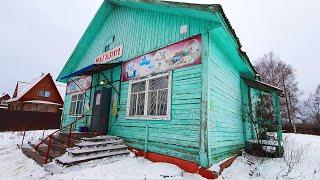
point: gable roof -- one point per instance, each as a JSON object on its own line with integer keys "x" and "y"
{"x": 201, "y": 11}
{"x": 22, "y": 88}
{"x": 5, "y": 95}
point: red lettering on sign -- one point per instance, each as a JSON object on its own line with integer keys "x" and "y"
{"x": 109, "y": 55}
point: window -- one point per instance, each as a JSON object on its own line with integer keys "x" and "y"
{"x": 43, "y": 93}
{"x": 76, "y": 105}
{"x": 150, "y": 98}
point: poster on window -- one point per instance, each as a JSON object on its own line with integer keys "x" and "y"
{"x": 181, "y": 54}
{"x": 79, "y": 85}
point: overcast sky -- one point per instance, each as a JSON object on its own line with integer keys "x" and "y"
{"x": 39, "y": 35}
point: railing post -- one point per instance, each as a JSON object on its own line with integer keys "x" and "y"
{"x": 86, "y": 123}
{"x": 69, "y": 137}
{"x": 48, "y": 149}
{"x": 42, "y": 135}
{"x": 24, "y": 134}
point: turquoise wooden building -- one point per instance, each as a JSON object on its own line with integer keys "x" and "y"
{"x": 169, "y": 78}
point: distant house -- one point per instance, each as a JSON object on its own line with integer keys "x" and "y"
{"x": 41, "y": 95}
{"x": 3, "y": 100}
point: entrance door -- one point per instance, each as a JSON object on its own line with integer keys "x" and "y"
{"x": 101, "y": 110}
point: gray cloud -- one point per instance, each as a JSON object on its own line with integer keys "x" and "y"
{"x": 39, "y": 35}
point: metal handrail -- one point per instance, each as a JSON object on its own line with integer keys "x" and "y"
{"x": 59, "y": 130}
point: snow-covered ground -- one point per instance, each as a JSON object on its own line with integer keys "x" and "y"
{"x": 14, "y": 165}
{"x": 301, "y": 161}
{"x": 302, "y": 156}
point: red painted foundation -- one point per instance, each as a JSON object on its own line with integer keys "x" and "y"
{"x": 188, "y": 166}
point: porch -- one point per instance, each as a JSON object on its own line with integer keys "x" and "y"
{"x": 261, "y": 118}
{"x": 100, "y": 100}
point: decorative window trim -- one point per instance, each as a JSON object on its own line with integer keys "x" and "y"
{"x": 145, "y": 116}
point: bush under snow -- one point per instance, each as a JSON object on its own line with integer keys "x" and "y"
{"x": 301, "y": 161}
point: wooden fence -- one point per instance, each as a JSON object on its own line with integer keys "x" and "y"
{"x": 304, "y": 129}
{"x": 27, "y": 120}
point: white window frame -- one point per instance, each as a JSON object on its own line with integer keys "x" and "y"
{"x": 44, "y": 93}
{"x": 76, "y": 115}
{"x": 145, "y": 116}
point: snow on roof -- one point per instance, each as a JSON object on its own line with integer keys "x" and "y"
{"x": 62, "y": 88}
{"x": 21, "y": 87}
{"x": 24, "y": 87}
{"x": 42, "y": 102}
{"x": 4, "y": 94}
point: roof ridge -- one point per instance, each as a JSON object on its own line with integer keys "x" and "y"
{"x": 25, "y": 91}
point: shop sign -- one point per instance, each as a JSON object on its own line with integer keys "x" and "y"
{"x": 181, "y": 54}
{"x": 109, "y": 55}
{"x": 79, "y": 85}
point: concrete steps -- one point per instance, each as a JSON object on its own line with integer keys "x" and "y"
{"x": 70, "y": 161}
{"x": 31, "y": 153}
{"x": 42, "y": 150}
{"x": 84, "y": 147}
{"x": 88, "y": 151}
{"x": 92, "y": 149}
{"x": 88, "y": 144}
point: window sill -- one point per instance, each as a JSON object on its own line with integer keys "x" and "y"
{"x": 151, "y": 118}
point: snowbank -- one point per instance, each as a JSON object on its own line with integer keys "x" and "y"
{"x": 14, "y": 165}
{"x": 126, "y": 168}
{"x": 301, "y": 156}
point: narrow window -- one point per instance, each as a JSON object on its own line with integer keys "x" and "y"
{"x": 77, "y": 104}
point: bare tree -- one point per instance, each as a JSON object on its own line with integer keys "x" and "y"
{"x": 274, "y": 71}
{"x": 310, "y": 109}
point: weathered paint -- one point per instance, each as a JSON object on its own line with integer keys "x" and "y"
{"x": 207, "y": 123}
{"x": 225, "y": 127}
{"x": 179, "y": 136}
{"x": 204, "y": 159}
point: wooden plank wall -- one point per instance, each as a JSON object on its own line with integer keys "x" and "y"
{"x": 225, "y": 128}
{"x": 139, "y": 31}
{"x": 142, "y": 31}
{"x": 178, "y": 137}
